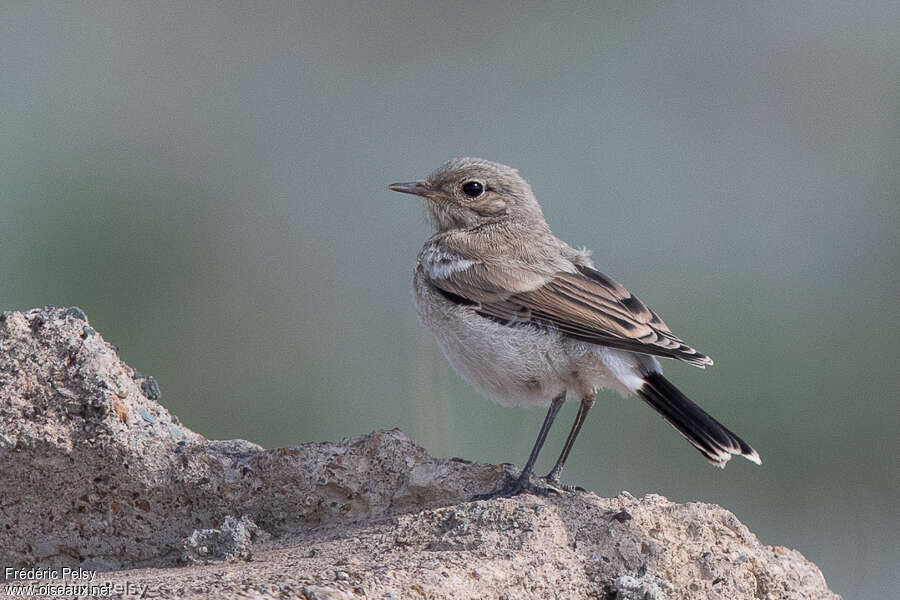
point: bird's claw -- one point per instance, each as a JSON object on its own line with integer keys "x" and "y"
{"x": 538, "y": 486}
{"x": 556, "y": 483}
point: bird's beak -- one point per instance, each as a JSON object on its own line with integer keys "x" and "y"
{"x": 417, "y": 188}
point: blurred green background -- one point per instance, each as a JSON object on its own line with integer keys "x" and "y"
{"x": 208, "y": 182}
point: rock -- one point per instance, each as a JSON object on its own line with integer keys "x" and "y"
{"x": 627, "y": 587}
{"x": 318, "y": 592}
{"x": 105, "y": 478}
{"x": 149, "y": 386}
{"x": 231, "y": 541}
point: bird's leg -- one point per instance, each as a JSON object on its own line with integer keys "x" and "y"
{"x": 553, "y": 477}
{"x": 523, "y": 482}
{"x": 555, "y": 405}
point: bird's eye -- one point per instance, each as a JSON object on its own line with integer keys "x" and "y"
{"x": 473, "y": 189}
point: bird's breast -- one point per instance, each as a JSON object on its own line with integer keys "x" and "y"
{"x": 512, "y": 365}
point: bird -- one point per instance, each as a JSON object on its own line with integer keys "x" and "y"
{"x": 527, "y": 320}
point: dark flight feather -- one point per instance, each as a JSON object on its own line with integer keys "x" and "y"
{"x": 715, "y": 441}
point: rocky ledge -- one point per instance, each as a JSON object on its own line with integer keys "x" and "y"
{"x": 99, "y": 479}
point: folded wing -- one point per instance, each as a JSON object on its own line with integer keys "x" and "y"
{"x": 585, "y": 305}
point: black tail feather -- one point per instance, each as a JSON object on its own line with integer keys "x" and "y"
{"x": 715, "y": 441}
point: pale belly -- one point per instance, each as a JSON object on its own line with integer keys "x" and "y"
{"x": 512, "y": 365}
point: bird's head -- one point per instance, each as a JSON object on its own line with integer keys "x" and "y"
{"x": 467, "y": 192}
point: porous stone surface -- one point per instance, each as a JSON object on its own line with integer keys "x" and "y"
{"x": 98, "y": 475}
{"x": 231, "y": 541}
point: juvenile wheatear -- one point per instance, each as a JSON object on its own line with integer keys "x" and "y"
{"x": 526, "y": 319}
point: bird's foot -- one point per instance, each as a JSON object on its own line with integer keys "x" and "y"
{"x": 527, "y": 484}
{"x": 553, "y": 480}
